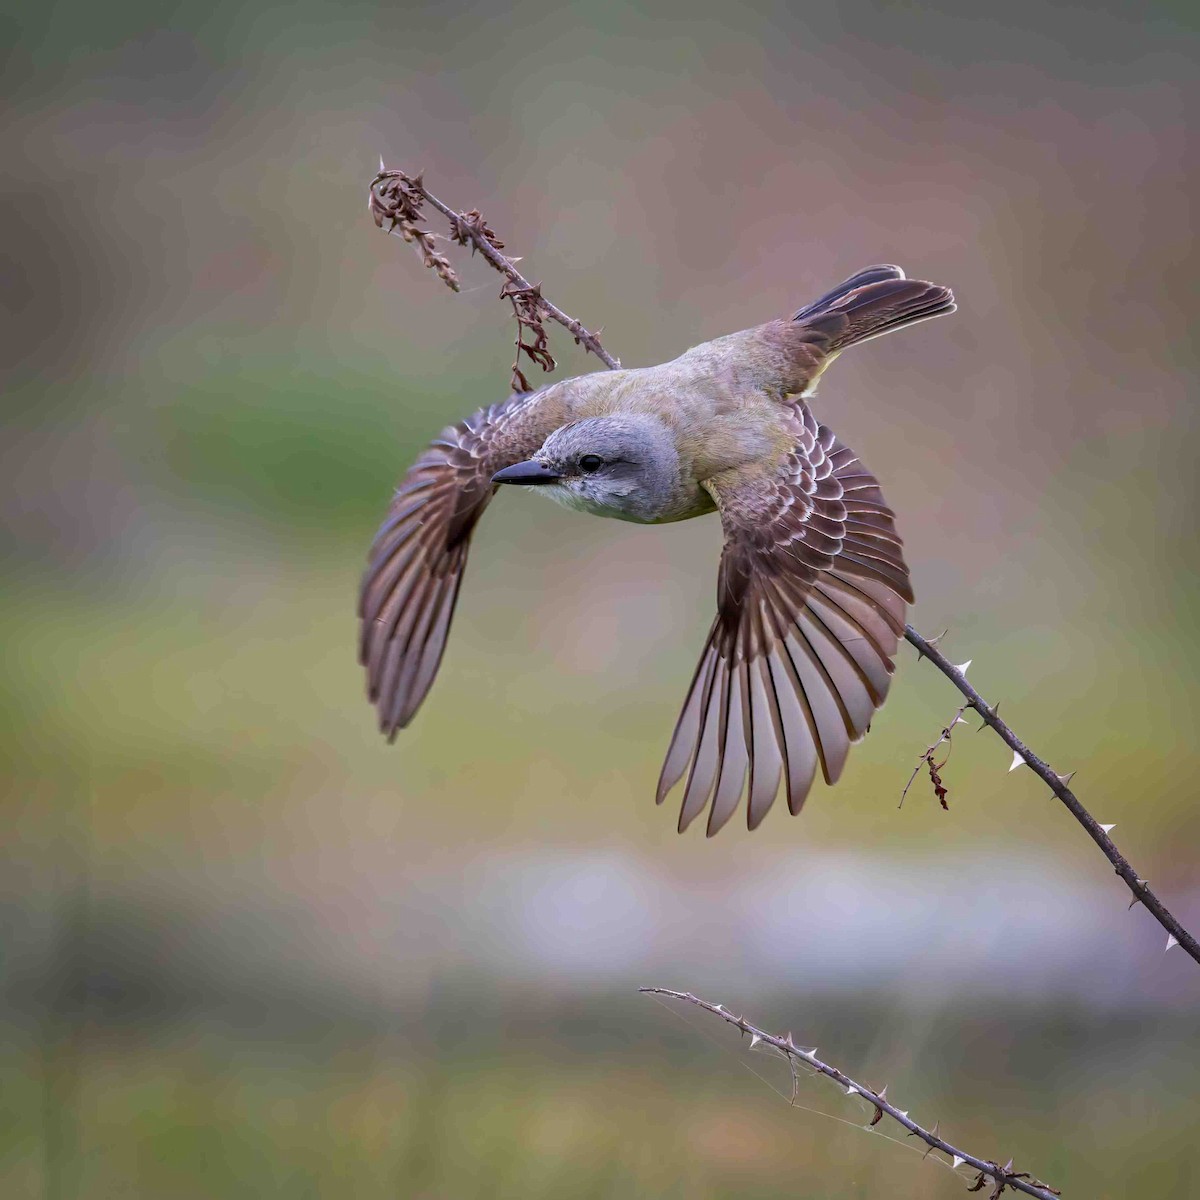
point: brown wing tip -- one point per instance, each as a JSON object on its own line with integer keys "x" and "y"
{"x": 754, "y": 820}
{"x": 663, "y": 790}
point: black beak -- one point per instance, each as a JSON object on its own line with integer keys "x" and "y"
{"x": 527, "y": 473}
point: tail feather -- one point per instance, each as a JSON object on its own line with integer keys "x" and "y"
{"x": 870, "y": 304}
{"x": 867, "y": 275}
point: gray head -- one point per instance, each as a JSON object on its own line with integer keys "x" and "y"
{"x": 621, "y": 466}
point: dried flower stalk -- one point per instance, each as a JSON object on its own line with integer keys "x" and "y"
{"x": 397, "y": 200}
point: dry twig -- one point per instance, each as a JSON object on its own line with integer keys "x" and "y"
{"x": 399, "y": 202}
{"x": 935, "y": 768}
{"x": 397, "y": 198}
{"x": 796, "y": 1056}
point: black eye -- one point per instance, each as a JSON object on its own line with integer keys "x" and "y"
{"x": 590, "y": 463}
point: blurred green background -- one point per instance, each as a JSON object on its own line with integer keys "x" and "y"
{"x": 250, "y": 950}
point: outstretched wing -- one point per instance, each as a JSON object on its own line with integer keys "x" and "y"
{"x": 416, "y": 561}
{"x": 810, "y": 608}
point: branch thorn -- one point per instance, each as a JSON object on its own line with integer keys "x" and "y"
{"x": 937, "y": 1125}
{"x": 933, "y": 641}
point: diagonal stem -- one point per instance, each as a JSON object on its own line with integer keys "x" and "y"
{"x": 1004, "y": 1177}
{"x": 1138, "y": 886}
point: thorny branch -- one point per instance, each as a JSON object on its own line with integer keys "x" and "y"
{"x": 397, "y": 198}
{"x": 1177, "y": 935}
{"x": 1001, "y": 1176}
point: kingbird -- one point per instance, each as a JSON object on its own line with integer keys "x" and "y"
{"x": 812, "y": 587}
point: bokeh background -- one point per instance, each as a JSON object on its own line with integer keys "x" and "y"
{"x": 250, "y": 950}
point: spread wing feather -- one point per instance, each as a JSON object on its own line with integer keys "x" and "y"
{"x": 811, "y": 600}
{"x": 416, "y": 562}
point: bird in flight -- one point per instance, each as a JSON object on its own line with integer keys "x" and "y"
{"x": 812, "y": 585}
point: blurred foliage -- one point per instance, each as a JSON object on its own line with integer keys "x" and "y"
{"x": 301, "y": 460}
